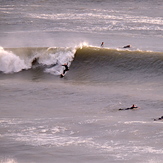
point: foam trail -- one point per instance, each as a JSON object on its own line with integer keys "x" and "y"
{"x": 9, "y": 62}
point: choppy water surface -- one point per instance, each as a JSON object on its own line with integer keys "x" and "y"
{"x": 45, "y": 118}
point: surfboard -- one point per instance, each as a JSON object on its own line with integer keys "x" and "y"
{"x": 128, "y": 108}
{"x": 125, "y": 109}
{"x": 62, "y": 75}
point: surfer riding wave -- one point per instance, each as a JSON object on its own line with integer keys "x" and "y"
{"x": 66, "y": 68}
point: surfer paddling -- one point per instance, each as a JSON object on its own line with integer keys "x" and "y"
{"x": 161, "y": 118}
{"x": 66, "y": 68}
{"x": 127, "y": 46}
{"x": 132, "y": 107}
{"x": 35, "y": 61}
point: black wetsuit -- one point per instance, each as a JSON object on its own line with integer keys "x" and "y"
{"x": 35, "y": 61}
{"x": 161, "y": 118}
{"x": 66, "y": 69}
{"x": 129, "y": 108}
{"x": 127, "y": 46}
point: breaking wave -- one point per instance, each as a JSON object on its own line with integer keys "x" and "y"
{"x": 87, "y": 62}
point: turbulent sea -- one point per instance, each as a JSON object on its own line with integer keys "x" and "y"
{"x": 48, "y": 119}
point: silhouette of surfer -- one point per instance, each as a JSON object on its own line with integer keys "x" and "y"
{"x": 127, "y": 46}
{"x": 161, "y": 118}
{"x": 66, "y": 69}
{"x": 132, "y": 107}
{"x": 102, "y": 44}
{"x": 35, "y": 61}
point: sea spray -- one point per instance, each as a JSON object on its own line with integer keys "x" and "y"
{"x": 57, "y": 57}
{"x": 9, "y": 62}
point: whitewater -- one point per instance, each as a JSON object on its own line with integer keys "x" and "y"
{"x": 48, "y": 119}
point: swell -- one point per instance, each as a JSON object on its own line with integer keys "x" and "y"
{"x": 123, "y": 60}
{"x": 90, "y": 64}
{"x": 102, "y": 65}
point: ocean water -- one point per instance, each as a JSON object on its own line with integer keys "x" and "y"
{"x": 48, "y": 119}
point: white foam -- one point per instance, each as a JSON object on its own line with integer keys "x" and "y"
{"x": 83, "y": 44}
{"x": 130, "y": 122}
{"x": 9, "y": 62}
{"x": 60, "y": 57}
{"x": 147, "y": 149}
{"x": 8, "y": 160}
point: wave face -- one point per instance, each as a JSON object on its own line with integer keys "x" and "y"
{"x": 103, "y": 65}
{"x": 90, "y": 64}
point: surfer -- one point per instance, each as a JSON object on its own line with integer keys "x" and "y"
{"x": 35, "y": 61}
{"x": 127, "y": 46}
{"x": 132, "y": 107}
{"x": 161, "y": 118}
{"x": 66, "y": 69}
{"x": 102, "y": 44}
